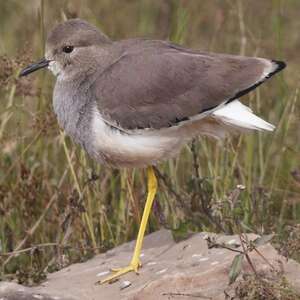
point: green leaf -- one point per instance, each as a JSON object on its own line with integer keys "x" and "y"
{"x": 235, "y": 268}
{"x": 182, "y": 232}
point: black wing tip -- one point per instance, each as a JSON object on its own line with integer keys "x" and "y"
{"x": 280, "y": 65}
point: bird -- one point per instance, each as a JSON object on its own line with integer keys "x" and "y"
{"x": 134, "y": 103}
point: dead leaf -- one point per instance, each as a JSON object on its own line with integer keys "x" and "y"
{"x": 263, "y": 240}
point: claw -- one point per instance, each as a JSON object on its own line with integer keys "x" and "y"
{"x": 133, "y": 267}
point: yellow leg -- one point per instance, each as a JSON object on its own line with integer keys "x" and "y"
{"x": 135, "y": 261}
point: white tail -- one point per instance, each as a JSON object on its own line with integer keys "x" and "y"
{"x": 237, "y": 114}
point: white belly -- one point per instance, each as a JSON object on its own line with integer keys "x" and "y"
{"x": 134, "y": 148}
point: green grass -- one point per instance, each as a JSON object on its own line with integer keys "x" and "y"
{"x": 58, "y": 206}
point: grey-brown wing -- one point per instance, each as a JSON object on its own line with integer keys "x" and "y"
{"x": 158, "y": 86}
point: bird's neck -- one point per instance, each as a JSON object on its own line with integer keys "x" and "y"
{"x": 72, "y": 106}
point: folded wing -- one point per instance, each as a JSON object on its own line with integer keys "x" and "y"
{"x": 156, "y": 84}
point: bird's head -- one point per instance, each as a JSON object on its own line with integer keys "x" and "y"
{"x": 69, "y": 45}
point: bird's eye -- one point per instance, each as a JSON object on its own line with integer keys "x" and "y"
{"x": 68, "y": 49}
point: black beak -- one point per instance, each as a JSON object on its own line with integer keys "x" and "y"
{"x": 43, "y": 63}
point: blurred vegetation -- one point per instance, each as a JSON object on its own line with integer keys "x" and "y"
{"x": 57, "y": 206}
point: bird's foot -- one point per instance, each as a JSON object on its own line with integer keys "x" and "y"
{"x": 133, "y": 266}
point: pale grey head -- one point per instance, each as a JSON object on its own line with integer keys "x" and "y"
{"x": 68, "y": 46}
{"x": 135, "y": 102}
{"x": 72, "y": 44}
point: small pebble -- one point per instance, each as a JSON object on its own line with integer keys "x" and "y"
{"x": 151, "y": 263}
{"x": 205, "y": 237}
{"x": 36, "y": 296}
{"x": 197, "y": 255}
{"x": 161, "y": 271}
{"x": 204, "y": 259}
{"x": 125, "y": 284}
{"x": 142, "y": 255}
{"x": 102, "y": 273}
{"x": 214, "y": 263}
{"x": 231, "y": 242}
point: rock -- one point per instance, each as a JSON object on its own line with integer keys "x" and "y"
{"x": 13, "y": 291}
{"x": 188, "y": 269}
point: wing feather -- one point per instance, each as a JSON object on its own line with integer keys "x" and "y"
{"x": 157, "y": 84}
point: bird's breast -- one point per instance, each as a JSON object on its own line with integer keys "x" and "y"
{"x": 73, "y": 112}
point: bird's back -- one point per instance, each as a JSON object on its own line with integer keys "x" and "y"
{"x": 155, "y": 84}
